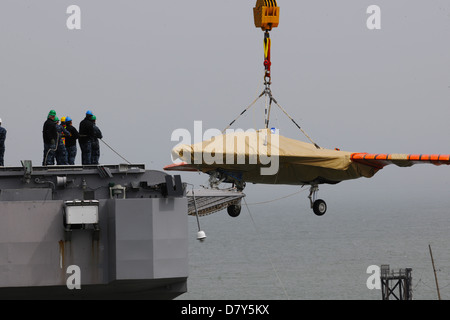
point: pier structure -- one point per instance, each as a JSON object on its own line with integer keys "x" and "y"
{"x": 396, "y": 283}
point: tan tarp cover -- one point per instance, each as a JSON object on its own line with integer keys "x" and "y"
{"x": 285, "y": 160}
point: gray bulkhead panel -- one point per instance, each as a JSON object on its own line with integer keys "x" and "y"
{"x": 150, "y": 233}
{"x": 142, "y": 245}
{"x": 139, "y": 239}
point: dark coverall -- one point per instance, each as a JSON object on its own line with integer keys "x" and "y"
{"x": 2, "y": 145}
{"x": 95, "y": 145}
{"x": 86, "y": 132}
{"x": 71, "y": 143}
{"x": 49, "y": 135}
{"x": 61, "y": 152}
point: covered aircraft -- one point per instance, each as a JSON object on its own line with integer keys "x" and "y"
{"x": 264, "y": 157}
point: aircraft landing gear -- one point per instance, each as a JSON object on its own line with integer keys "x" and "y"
{"x": 319, "y": 206}
{"x": 234, "y": 210}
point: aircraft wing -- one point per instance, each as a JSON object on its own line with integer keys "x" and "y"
{"x": 182, "y": 166}
{"x": 379, "y": 161}
{"x": 297, "y": 162}
{"x": 375, "y": 160}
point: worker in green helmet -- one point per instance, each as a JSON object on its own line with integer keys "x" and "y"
{"x": 95, "y": 144}
{"x": 50, "y": 136}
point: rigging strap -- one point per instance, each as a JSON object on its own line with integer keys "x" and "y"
{"x": 306, "y": 135}
{"x": 268, "y": 93}
{"x": 267, "y": 62}
{"x": 251, "y": 104}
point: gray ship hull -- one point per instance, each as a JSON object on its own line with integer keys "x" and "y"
{"x": 137, "y": 248}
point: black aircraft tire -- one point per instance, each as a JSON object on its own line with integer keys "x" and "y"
{"x": 319, "y": 207}
{"x": 234, "y": 210}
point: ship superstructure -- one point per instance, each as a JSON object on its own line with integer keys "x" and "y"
{"x": 120, "y": 231}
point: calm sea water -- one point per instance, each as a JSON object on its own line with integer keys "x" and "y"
{"x": 281, "y": 250}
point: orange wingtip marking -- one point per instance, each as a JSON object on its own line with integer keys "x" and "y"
{"x": 365, "y": 158}
{"x": 183, "y": 166}
{"x": 357, "y": 156}
{"x": 381, "y": 157}
{"x": 433, "y": 158}
{"x": 369, "y": 156}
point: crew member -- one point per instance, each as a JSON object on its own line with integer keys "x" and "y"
{"x": 63, "y": 124}
{"x": 86, "y": 132}
{"x": 61, "y": 153}
{"x": 49, "y": 135}
{"x": 71, "y": 141}
{"x": 95, "y": 144}
{"x": 2, "y": 144}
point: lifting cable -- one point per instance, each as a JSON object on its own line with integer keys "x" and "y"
{"x": 254, "y": 101}
{"x": 277, "y": 199}
{"x": 114, "y": 151}
{"x": 266, "y": 14}
{"x": 268, "y": 93}
{"x": 306, "y": 135}
{"x": 56, "y": 148}
{"x": 270, "y": 259}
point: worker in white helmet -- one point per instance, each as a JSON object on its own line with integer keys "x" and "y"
{"x": 2, "y": 144}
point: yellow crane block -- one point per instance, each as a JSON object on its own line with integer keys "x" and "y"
{"x": 266, "y": 14}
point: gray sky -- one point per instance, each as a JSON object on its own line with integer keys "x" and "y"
{"x": 146, "y": 68}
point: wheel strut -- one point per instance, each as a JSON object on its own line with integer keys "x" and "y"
{"x": 319, "y": 206}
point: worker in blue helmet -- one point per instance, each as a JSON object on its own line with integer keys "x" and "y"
{"x": 86, "y": 131}
{"x": 71, "y": 141}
